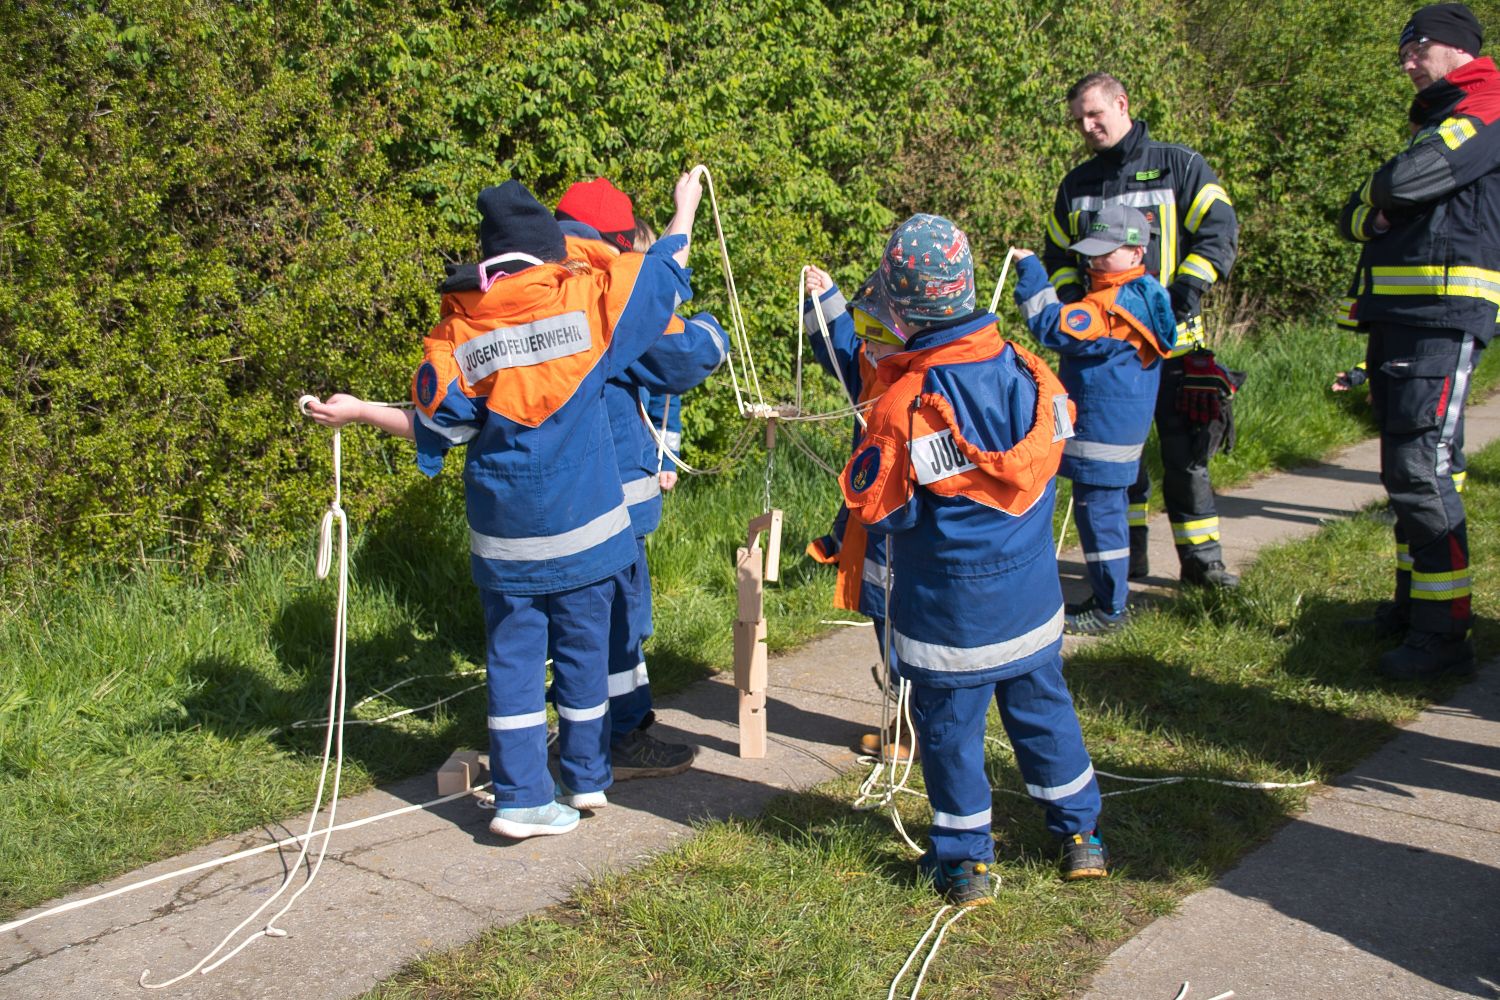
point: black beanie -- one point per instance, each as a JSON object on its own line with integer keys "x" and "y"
{"x": 511, "y": 220}
{"x": 1450, "y": 23}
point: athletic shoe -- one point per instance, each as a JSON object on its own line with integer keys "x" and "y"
{"x": 1196, "y": 574}
{"x": 1084, "y": 857}
{"x": 1428, "y": 654}
{"x": 1140, "y": 556}
{"x": 1090, "y": 619}
{"x": 638, "y": 754}
{"x": 581, "y": 800}
{"x": 539, "y": 821}
{"x": 1389, "y": 620}
{"x": 962, "y": 883}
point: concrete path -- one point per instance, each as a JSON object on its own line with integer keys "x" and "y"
{"x": 434, "y": 878}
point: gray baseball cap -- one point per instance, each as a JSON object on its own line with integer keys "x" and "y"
{"x": 1115, "y": 226}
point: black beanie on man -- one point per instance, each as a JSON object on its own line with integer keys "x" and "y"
{"x": 1450, "y": 23}
{"x": 511, "y": 220}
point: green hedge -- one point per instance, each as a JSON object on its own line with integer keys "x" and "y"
{"x": 210, "y": 208}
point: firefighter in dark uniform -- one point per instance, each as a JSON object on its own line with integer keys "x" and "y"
{"x": 1194, "y": 238}
{"x": 1427, "y": 293}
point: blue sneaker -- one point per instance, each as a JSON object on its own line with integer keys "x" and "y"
{"x": 538, "y": 821}
{"x": 962, "y": 883}
{"x": 580, "y": 800}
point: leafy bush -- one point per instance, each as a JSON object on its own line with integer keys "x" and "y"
{"x": 207, "y": 209}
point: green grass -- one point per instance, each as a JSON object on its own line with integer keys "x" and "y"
{"x": 815, "y": 900}
{"x": 143, "y": 715}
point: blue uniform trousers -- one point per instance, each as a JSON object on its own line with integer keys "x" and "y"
{"x": 1038, "y": 715}
{"x": 1105, "y": 534}
{"x": 573, "y": 628}
{"x": 629, "y": 627}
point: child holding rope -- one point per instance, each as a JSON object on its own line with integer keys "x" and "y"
{"x": 957, "y": 467}
{"x": 515, "y": 370}
{"x": 1111, "y": 342}
{"x": 599, "y": 222}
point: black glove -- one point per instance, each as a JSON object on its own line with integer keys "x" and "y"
{"x": 1354, "y": 377}
{"x": 1205, "y": 389}
{"x": 1184, "y": 300}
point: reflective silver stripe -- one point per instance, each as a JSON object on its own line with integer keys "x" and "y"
{"x": 545, "y": 339}
{"x": 1041, "y": 300}
{"x": 1106, "y": 556}
{"x": 832, "y": 308}
{"x": 973, "y": 821}
{"x": 673, "y": 440}
{"x": 876, "y": 573}
{"x": 1058, "y": 792}
{"x": 627, "y": 681}
{"x": 1135, "y": 199}
{"x": 1455, "y": 405}
{"x": 641, "y": 490}
{"x": 461, "y": 434}
{"x": 582, "y": 714}
{"x": 580, "y": 539}
{"x": 526, "y": 721}
{"x": 1440, "y": 586}
{"x": 933, "y": 656}
{"x": 1099, "y": 452}
{"x": 714, "y": 336}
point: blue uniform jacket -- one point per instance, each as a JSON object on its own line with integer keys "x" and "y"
{"x": 1109, "y": 377}
{"x": 516, "y": 371}
{"x": 958, "y": 466}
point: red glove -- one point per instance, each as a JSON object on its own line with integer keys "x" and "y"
{"x": 1205, "y": 386}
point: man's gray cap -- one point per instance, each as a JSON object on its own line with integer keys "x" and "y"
{"x": 1113, "y": 227}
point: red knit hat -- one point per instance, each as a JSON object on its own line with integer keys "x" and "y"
{"x": 600, "y": 204}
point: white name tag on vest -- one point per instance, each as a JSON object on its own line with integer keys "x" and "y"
{"x": 936, "y": 457}
{"x": 528, "y": 344}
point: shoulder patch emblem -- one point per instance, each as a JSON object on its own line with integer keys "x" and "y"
{"x": 1077, "y": 319}
{"x": 864, "y": 468}
{"x": 427, "y": 384}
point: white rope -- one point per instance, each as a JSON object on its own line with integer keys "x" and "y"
{"x": 1182, "y": 993}
{"x": 333, "y": 741}
{"x": 1150, "y": 783}
{"x": 843, "y": 621}
{"x": 738, "y": 333}
{"x": 1062, "y": 536}
{"x": 807, "y": 450}
{"x": 737, "y": 448}
{"x": 936, "y": 944}
{"x": 307, "y": 723}
{"x": 1010, "y": 255}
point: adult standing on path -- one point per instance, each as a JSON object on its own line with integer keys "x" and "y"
{"x": 1426, "y": 292}
{"x": 1194, "y": 238}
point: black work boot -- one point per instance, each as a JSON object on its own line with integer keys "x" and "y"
{"x": 1196, "y": 574}
{"x": 1389, "y": 620}
{"x": 1428, "y": 654}
{"x": 1140, "y": 556}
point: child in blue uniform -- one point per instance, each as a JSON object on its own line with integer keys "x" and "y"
{"x": 1112, "y": 343}
{"x": 515, "y": 370}
{"x": 600, "y": 223}
{"x": 957, "y": 468}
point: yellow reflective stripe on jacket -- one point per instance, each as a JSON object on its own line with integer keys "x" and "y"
{"x": 1358, "y": 223}
{"x": 1459, "y": 479}
{"x": 1364, "y": 192}
{"x": 1055, "y": 232}
{"x": 1194, "y": 532}
{"x": 1456, "y": 131}
{"x": 1202, "y": 203}
{"x": 1167, "y": 264}
{"x": 1073, "y": 223}
{"x": 1345, "y": 314}
{"x": 1136, "y": 515}
{"x": 1199, "y": 267}
{"x": 1440, "y": 586}
{"x": 1064, "y": 276}
{"x": 1435, "y": 279}
{"x": 1403, "y": 558}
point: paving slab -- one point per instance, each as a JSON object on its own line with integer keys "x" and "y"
{"x": 434, "y": 878}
